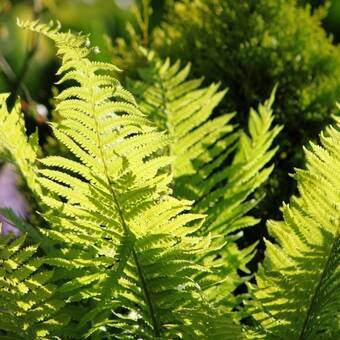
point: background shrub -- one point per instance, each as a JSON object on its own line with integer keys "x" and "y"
{"x": 250, "y": 46}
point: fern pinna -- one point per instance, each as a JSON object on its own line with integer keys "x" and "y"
{"x": 122, "y": 247}
{"x": 200, "y": 148}
{"x": 28, "y": 306}
{"x": 298, "y": 287}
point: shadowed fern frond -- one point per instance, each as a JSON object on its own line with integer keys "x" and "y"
{"x": 201, "y": 145}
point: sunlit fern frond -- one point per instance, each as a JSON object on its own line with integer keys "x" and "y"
{"x": 13, "y": 139}
{"x": 125, "y": 245}
{"x": 29, "y": 308}
{"x": 298, "y": 293}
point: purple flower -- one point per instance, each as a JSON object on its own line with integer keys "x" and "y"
{"x": 11, "y": 198}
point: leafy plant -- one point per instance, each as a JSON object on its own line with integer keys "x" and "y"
{"x": 123, "y": 244}
{"x": 297, "y": 293}
{"x": 249, "y": 46}
{"x": 135, "y": 240}
{"x": 201, "y": 147}
{"x": 28, "y": 307}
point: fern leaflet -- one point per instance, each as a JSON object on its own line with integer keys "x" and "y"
{"x": 200, "y": 147}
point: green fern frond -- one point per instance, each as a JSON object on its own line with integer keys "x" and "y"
{"x": 13, "y": 139}
{"x": 299, "y": 284}
{"x": 183, "y": 108}
{"x": 200, "y": 146}
{"x": 249, "y": 168}
{"x": 127, "y": 245}
{"x": 29, "y": 308}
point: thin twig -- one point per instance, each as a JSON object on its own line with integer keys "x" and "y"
{"x": 37, "y": 10}
{"x": 10, "y": 76}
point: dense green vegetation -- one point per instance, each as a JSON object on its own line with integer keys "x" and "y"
{"x": 142, "y": 177}
{"x": 252, "y": 46}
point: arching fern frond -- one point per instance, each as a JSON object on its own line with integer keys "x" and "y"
{"x": 132, "y": 252}
{"x": 299, "y": 283}
{"x": 183, "y": 108}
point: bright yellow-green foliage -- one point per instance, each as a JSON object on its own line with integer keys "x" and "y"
{"x": 298, "y": 293}
{"x": 123, "y": 251}
{"x": 201, "y": 145}
{"x": 28, "y": 307}
{"x": 14, "y": 139}
{"x": 214, "y": 164}
{"x": 123, "y": 244}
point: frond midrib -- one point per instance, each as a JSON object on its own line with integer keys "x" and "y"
{"x": 302, "y": 335}
{"x": 130, "y": 236}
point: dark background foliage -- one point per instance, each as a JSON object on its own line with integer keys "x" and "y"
{"x": 249, "y": 46}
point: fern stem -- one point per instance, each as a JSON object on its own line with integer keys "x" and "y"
{"x": 147, "y": 295}
{"x": 303, "y": 333}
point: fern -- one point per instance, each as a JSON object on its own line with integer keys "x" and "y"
{"x": 118, "y": 256}
{"x": 28, "y": 307}
{"x": 298, "y": 286}
{"x": 123, "y": 245}
{"x": 23, "y": 150}
{"x": 201, "y": 145}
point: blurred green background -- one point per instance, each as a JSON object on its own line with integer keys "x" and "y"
{"x": 96, "y": 18}
{"x": 100, "y": 18}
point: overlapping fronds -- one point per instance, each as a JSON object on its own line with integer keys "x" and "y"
{"x": 28, "y": 307}
{"x": 298, "y": 294}
{"x": 125, "y": 245}
{"x": 213, "y": 164}
{"x": 201, "y": 144}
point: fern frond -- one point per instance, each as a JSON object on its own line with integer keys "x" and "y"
{"x": 29, "y": 308}
{"x": 201, "y": 144}
{"x": 13, "y": 139}
{"x": 111, "y": 202}
{"x": 299, "y": 284}
{"x": 248, "y": 171}
{"x": 200, "y": 147}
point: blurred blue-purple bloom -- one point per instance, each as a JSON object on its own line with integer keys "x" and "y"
{"x": 11, "y": 198}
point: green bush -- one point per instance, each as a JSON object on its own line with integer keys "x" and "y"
{"x": 250, "y": 46}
